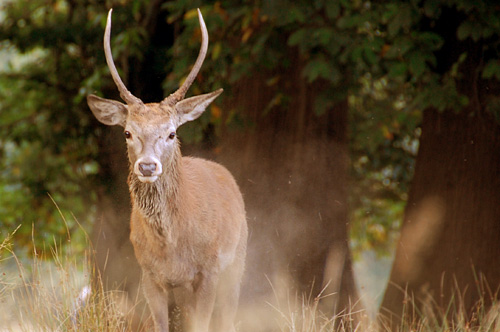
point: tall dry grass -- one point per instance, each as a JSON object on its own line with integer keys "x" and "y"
{"x": 50, "y": 292}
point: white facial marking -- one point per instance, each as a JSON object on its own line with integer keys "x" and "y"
{"x": 147, "y": 179}
{"x": 149, "y": 146}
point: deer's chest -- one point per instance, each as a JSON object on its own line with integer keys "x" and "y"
{"x": 171, "y": 262}
{"x": 170, "y": 267}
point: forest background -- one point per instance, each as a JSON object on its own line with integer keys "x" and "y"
{"x": 350, "y": 126}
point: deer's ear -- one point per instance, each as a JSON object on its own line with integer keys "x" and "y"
{"x": 109, "y": 112}
{"x": 190, "y": 109}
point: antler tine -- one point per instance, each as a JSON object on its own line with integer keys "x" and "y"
{"x": 128, "y": 97}
{"x": 181, "y": 92}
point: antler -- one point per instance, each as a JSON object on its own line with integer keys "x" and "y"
{"x": 128, "y": 97}
{"x": 181, "y": 92}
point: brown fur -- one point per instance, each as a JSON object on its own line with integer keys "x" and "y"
{"x": 188, "y": 224}
{"x": 183, "y": 227}
{"x": 188, "y": 227}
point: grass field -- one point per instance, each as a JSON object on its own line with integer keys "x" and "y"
{"x": 49, "y": 292}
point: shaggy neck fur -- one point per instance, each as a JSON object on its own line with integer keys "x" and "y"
{"x": 158, "y": 201}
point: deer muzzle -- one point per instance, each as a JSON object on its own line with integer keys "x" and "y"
{"x": 148, "y": 170}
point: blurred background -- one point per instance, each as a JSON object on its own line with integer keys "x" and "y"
{"x": 361, "y": 133}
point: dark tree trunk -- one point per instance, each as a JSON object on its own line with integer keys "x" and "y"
{"x": 292, "y": 167}
{"x": 449, "y": 244}
{"x": 450, "y": 237}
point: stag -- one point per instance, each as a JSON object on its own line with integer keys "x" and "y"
{"x": 188, "y": 224}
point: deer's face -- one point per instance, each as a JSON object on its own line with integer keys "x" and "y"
{"x": 151, "y": 139}
{"x": 150, "y": 129}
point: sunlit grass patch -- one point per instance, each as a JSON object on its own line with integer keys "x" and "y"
{"x": 307, "y": 313}
{"x": 50, "y": 291}
{"x": 428, "y": 314}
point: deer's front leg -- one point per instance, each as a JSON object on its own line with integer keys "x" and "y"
{"x": 157, "y": 298}
{"x": 198, "y": 309}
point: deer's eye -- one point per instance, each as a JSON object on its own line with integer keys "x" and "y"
{"x": 127, "y": 134}
{"x": 171, "y": 135}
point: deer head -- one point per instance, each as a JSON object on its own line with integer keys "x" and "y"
{"x": 150, "y": 129}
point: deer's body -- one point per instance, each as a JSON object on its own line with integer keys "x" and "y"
{"x": 189, "y": 233}
{"x": 188, "y": 224}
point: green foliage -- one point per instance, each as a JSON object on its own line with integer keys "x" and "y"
{"x": 492, "y": 70}
{"x": 416, "y": 32}
{"x": 383, "y": 146}
{"x": 47, "y": 144}
{"x": 333, "y": 41}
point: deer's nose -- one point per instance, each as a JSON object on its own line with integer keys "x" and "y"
{"x": 147, "y": 169}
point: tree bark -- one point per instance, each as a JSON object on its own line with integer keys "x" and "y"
{"x": 292, "y": 167}
{"x": 448, "y": 250}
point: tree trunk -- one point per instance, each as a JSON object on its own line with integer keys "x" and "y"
{"x": 448, "y": 250}
{"x": 292, "y": 167}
